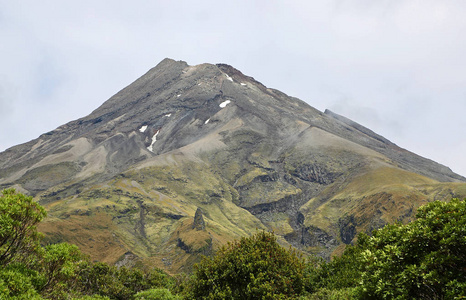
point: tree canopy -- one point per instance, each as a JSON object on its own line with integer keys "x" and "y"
{"x": 57, "y": 271}
{"x": 255, "y": 267}
{"x": 424, "y": 259}
{"x": 19, "y": 215}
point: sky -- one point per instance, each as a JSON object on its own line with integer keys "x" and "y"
{"x": 397, "y": 67}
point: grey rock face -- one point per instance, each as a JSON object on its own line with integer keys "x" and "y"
{"x": 178, "y": 105}
{"x": 199, "y": 223}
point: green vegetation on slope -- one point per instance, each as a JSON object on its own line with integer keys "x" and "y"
{"x": 379, "y": 195}
{"x": 423, "y": 259}
{"x": 251, "y": 268}
{"x": 58, "y": 271}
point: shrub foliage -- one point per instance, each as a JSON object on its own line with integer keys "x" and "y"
{"x": 256, "y": 267}
{"x": 424, "y": 259}
{"x": 57, "y": 271}
{"x": 19, "y": 215}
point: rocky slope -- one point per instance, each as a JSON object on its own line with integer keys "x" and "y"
{"x": 128, "y": 179}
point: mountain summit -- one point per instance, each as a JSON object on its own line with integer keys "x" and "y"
{"x": 129, "y": 177}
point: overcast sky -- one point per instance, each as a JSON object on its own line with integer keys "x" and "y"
{"x": 397, "y": 67}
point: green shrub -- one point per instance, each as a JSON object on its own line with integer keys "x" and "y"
{"x": 120, "y": 283}
{"x": 93, "y": 297}
{"x": 256, "y": 267}
{"x": 60, "y": 266}
{"x": 425, "y": 259}
{"x": 332, "y": 294}
{"x": 57, "y": 271}
{"x": 14, "y": 284}
{"x": 19, "y": 215}
{"x": 340, "y": 273}
{"x": 155, "y": 294}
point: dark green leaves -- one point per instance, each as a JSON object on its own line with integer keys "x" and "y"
{"x": 419, "y": 260}
{"x": 19, "y": 215}
{"x": 251, "y": 268}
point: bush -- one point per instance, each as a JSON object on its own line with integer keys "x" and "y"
{"x": 340, "y": 273}
{"x": 425, "y": 259}
{"x": 155, "y": 294}
{"x": 58, "y": 271}
{"x": 256, "y": 267}
{"x": 93, "y": 297}
{"x": 19, "y": 215}
{"x": 332, "y": 294}
{"x": 60, "y": 266}
{"x": 14, "y": 284}
{"x": 120, "y": 283}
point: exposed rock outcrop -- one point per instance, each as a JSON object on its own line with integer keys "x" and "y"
{"x": 199, "y": 223}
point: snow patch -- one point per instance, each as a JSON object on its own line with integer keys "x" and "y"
{"x": 207, "y": 121}
{"x": 168, "y": 115}
{"x": 243, "y": 84}
{"x": 178, "y": 96}
{"x": 154, "y": 139}
{"x": 143, "y": 128}
{"x": 224, "y": 103}
{"x": 229, "y": 78}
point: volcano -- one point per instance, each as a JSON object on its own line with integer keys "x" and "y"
{"x": 187, "y": 158}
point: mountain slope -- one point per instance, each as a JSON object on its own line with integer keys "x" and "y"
{"x": 130, "y": 176}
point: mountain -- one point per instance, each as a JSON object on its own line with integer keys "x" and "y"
{"x": 187, "y": 158}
